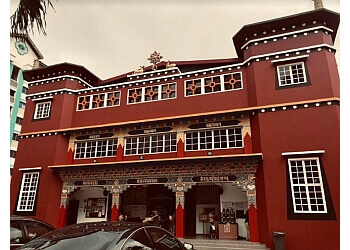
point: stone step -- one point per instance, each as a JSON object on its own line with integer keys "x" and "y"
{"x": 219, "y": 244}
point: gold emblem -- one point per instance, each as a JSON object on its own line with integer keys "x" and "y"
{"x": 154, "y": 59}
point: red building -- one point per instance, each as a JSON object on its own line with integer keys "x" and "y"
{"x": 260, "y": 131}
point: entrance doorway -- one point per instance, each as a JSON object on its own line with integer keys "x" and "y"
{"x": 72, "y": 213}
{"x": 138, "y": 202}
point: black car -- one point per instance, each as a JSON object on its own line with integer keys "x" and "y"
{"x": 23, "y": 230}
{"x": 108, "y": 236}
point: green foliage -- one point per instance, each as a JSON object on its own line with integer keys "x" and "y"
{"x": 29, "y": 13}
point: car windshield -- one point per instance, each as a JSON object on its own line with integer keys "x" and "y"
{"x": 91, "y": 240}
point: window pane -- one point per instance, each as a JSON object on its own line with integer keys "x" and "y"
{"x": 307, "y": 187}
{"x": 163, "y": 240}
{"x": 36, "y": 229}
{"x": 139, "y": 240}
{"x": 16, "y": 236}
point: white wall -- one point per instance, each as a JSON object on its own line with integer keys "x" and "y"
{"x": 83, "y": 194}
{"x": 232, "y": 193}
{"x": 22, "y": 61}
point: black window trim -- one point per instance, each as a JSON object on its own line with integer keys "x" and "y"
{"x": 291, "y": 215}
{"x": 295, "y": 60}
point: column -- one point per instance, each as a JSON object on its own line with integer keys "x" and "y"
{"x": 247, "y": 183}
{"x": 180, "y": 186}
{"x": 62, "y": 217}
{"x": 115, "y": 206}
{"x": 180, "y": 214}
{"x": 117, "y": 189}
{"x": 252, "y": 212}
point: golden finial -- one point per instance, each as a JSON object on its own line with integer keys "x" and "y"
{"x": 154, "y": 59}
{"x": 318, "y": 4}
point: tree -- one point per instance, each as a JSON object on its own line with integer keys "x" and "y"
{"x": 29, "y": 13}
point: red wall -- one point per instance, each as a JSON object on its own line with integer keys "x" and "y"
{"x": 303, "y": 129}
{"x": 61, "y": 113}
{"x": 290, "y": 43}
{"x": 39, "y": 152}
{"x": 322, "y": 84}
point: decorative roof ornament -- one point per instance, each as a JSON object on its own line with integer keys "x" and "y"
{"x": 318, "y": 4}
{"x": 154, "y": 59}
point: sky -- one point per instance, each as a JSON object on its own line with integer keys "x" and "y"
{"x": 111, "y": 37}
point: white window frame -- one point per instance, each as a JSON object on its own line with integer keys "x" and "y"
{"x": 104, "y": 101}
{"x": 150, "y": 143}
{"x": 212, "y": 138}
{"x": 279, "y": 67}
{"x": 222, "y": 84}
{"x": 26, "y": 190}
{"x": 40, "y": 116}
{"x": 143, "y": 92}
{"x": 306, "y": 185}
{"x": 108, "y": 145}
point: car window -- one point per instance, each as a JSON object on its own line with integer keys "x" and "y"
{"x": 36, "y": 229}
{"x": 162, "y": 240}
{"x": 16, "y": 236}
{"x": 138, "y": 241}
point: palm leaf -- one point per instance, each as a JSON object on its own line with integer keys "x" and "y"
{"x": 28, "y": 14}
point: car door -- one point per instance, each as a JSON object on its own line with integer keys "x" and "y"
{"x": 17, "y": 237}
{"x": 162, "y": 240}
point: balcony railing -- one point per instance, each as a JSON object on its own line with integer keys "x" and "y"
{"x": 12, "y": 99}
{"x": 13, "y": 83}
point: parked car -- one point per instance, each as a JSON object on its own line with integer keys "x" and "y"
{"x": 23, "y": 230}
{"x": 120, "y": 235}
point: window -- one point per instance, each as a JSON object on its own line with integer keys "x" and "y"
{"x": 213, "y": 84}
{"x": 24, "y": 90}
{"x": 162, "y": 240}
{"x": 16, "y": 236}
{"x": 19, "y": 120}
{"x": 28, "y": 191}
{"x": 99, "y": 100}
{"x": 15, "y": 72}
{"x": 214, "y": 139}
{"x": 36, "y": 229}
{"x": 150, "y": 144}
{"x": 291, "y": 74}
{"x": 12, "y": 154}
{"x": 42, "y": 110}
{"x": 94, "y": 149}
{"x": 22, "y": 105}
{"x": 307, "y": 186}
{"x": 152, "y": 93}
{"x": 15, "y": 137}
{"x": 139, "y": 240}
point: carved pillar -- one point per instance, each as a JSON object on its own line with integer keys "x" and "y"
{"x": 247, "y": 183}
{"x": 117, "y": 189}
{"x": 180, "y": 214}
{"x": 115, "y": 206}
{"x": 66, "y": 190}
{"x": 180, "y": 187}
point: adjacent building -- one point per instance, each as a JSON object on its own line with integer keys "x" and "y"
{"x": 257, "y": 135}
{"x": 24, "y": 55}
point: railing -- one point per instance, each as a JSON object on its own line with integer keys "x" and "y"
{"x": 13, "y": 83}
{"x": 12, "y": 99}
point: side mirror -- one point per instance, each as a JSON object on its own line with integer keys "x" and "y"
{"x": 188, "y": 246}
